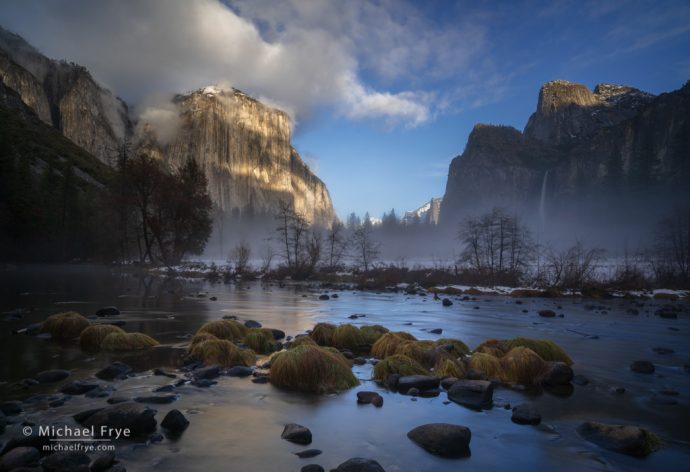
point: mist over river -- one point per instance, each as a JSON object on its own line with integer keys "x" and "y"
{"x": 237, "y": 424}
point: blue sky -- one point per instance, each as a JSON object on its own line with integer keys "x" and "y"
{"x": 383, "y": 93}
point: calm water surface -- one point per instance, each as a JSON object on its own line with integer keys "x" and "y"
{"x": 236, "y": 425}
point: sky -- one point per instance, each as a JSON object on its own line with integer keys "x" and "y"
{"x": 383, "y": 94}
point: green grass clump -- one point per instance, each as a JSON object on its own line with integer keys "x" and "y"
{"x": 127, "y": 342}
{"x": 488, "y": 364}
{"x": 65, "y": 326}
{"x": 222, "y": 352}
{"x": 91, "y": 338}
{"x": 230, "y": 330}
{"x": 447, "y": 367}
{"x": 323, "y": 334}
{"x": 302, "y": 341}
{"x": 457, "y": 347}
{"x": 311, "y": 369}
{"x": 398, "y": 364}
{"x": 493, "y": 347}
{"x": 372, "y": 333}
{"x": 522, "y": 365}
{"x": 424, "y": 352}
{"x": 200, "y": 338}
{"x": 547, "y": 350}
{"x": 349, "y": 337}
{"x": 260, "y": 340}
{"x": 387, "y": 344}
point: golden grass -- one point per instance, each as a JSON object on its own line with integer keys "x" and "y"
{"x": 404, "y": 335}
{"x": 522, "y": 365}
{"x": 398, "y": 364}
{"x": 65, "y": 326}
{"x": 91, "y": 338}
{"x": 447, "y": 367}
{"x": 349, "y": 337}
{"x": 222, "y": 352}
{"x": 302, "y": 341}
{"x": 311, "y": 369}
{"x": 458, "y": 349}
{"x": 127, "y": 342}
{"x": 493, "y": 347}
{"x": 230, "y": 330}
{"x": 424, "y": 352}
{"x": 260, "y": 340}
{"x": 323, "y": 333}
{"x": 201, "y": 337}
{"x": 387, "y": 344}
{"x": 547, "y": 350}
{"x": 488, "y": 364}
{"x": 372, "y": 333}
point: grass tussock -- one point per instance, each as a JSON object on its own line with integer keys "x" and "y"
{"x": 200, "y": 338}
{"x": 387, "y": 344}
{"x": 454, "y": 347}
{"x": 347, "y": 336}
{"x": 311, "y": 369}
{"x": 424, "y": 352}
{"x": 230, "y": 330}
{"x": 323, "y": 334}
{"x": 127, "y": 342}
{"x": 404, "y": 335}
{"x": 447, "y": 367}
{"x": 65, "y": 326}
{"x": 91, "y": 338}
{"x": 547, "y": 350}
{"x": 222, "y": 352}
{"x": 302, "y": 341}
{"x": 488, "y": 364}
{"x": 522, "y": 365}
{"x": 398, "y": 364}
{"x": 260, "y": 340}
{"x": 493, "y": 347}
{"x": 372, "y": 333}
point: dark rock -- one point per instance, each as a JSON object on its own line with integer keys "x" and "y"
{"x": 334, "y": 295}
{"x": 365, "y": 397}
{"x": 421, "y": 382}
{"x": 446, "y": 302}
{"x": 347, "y": 353}
{"x": 630, "y": 440}
{"x": 66, "y": 461}
{"x": 667, "y": 314}
{"x": 377, "y": 401}
{"x": 642, "y": 367}
{"x": 139, "y": 419}
{"x": 306, "y": 454}
{"x": 580, "y": 380}
{"x": 164, "y": 373}
{"x": 19, "y": 457}
{"x": 277, "y": 333}
{"x": 663, "y": 350}
{"x": 359, "y": 361}
{"x": 448, "y": 382}
{"x": 100, "y": 392}
{"x": 79, "y": 387}
{"x": 3, "y": 424}
{"x": 312, "y": 468}
{"x": 102, "y": 461}
{"x": 119, "y": 323}
{"x": 252, "y": 324}
{"x": 82, "y": 416}
{"x": 108, "y": 311}
{"x": 51, "y": 376}
{"x": 239, "y": 371}
{"x": 392, "y": 381}
{"x": 442, "y": 439}
{"x": 296, "y": 433}
{"x": 558, "y": 373}
{"x": 547, "y": 313}
{"x": 210, "y": 372}
{"x": 526, "y": 414}
{"x": 359, "y": 464}
{"x": 619, "y": 390}
{"x": 175, "y": 422}
{"x": 117, "y": 468}
{"x": 213, "y": 299}
{"x": 436, "y": 331}
{"x": 11, "y": 408}
{"x": 164, "y": 389}
{"x": 203, "y": 383}
{"x": 116, "y": 400}
{"x": 116, "y": 370}
{"x": 475, "y": 394}
{"x": 261, "y": 380}
{"x": 156, "y": 438}
{"x": 324, "y": 297}
{"x": 475, "y": 374}
{"x": 432, "y": 392}
{"x": 414, "y": 392}
{"x": 156, "y": 399}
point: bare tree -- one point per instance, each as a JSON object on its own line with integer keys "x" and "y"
{"x": 313, "y": 250}
{"x": 574, "y": 267}
{"x": 240, "y": 257}
{"x": 336, "y": 245}
{"x": 366, "y": 249}
{"x": 669, "y": 256}
{"x": 267, "y": 256}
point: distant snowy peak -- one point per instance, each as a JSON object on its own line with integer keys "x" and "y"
{"x": 427, "y": 213}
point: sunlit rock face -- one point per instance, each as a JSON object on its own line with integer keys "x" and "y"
{"x": 602, "y": 157}
{"x": 65, "y": 96}
{"x": 244, "y": 148}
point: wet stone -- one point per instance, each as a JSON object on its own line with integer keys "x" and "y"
{"x": 296, "y": 433}
{"x": 642, "y": 367}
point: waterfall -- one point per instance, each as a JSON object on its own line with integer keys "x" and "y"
{"x": 542, "y": 200}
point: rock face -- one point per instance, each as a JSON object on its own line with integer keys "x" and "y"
{"x": 244, "y": 148}
{"x": 582, "y": 155}
{"x": 65, "y": 96}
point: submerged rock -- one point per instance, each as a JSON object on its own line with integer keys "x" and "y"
{"x": 365, "y": 398}
{"x": 442, "y": 439}
{"x": 558, "y": 373}
{"x": 642, "y": 367}
{"x": 475, "y": 394}
{"x": 312, "y": 468}
{"x": 631, "y": 440}
{"x": 525, "y": 414}
{"x": 446, "y": 302}
{"x": 359, "y": 464}
{"x": 108, "y": 311}
{"x": 547, "y": 313}
{"x": 308, "y": 453}
{"x": 175, "y": 422}
{"x": 420, "y": 382}
{"x": 19, "y": 457}
{"x": 79, "y": 387}
{"x": 116, "y": 370}
{"x": 51, "y": 376}
{"x": 296, "y": 433}
{"x": 140, "y": 420}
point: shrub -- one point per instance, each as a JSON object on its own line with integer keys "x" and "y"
{"x": 127, "y": 342}
{"x": 522, "y": 365}
{"x": 230, "y": 330}
{"x": 65, "y": 326}
{"x": 311, "y": 369}
{"x": 547, "y": 350}
{"x": 323, "y": 333}
{"x": 398, "y": 364}
{"x": 222, "y": 352}
{"x": 91, "y": 338}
